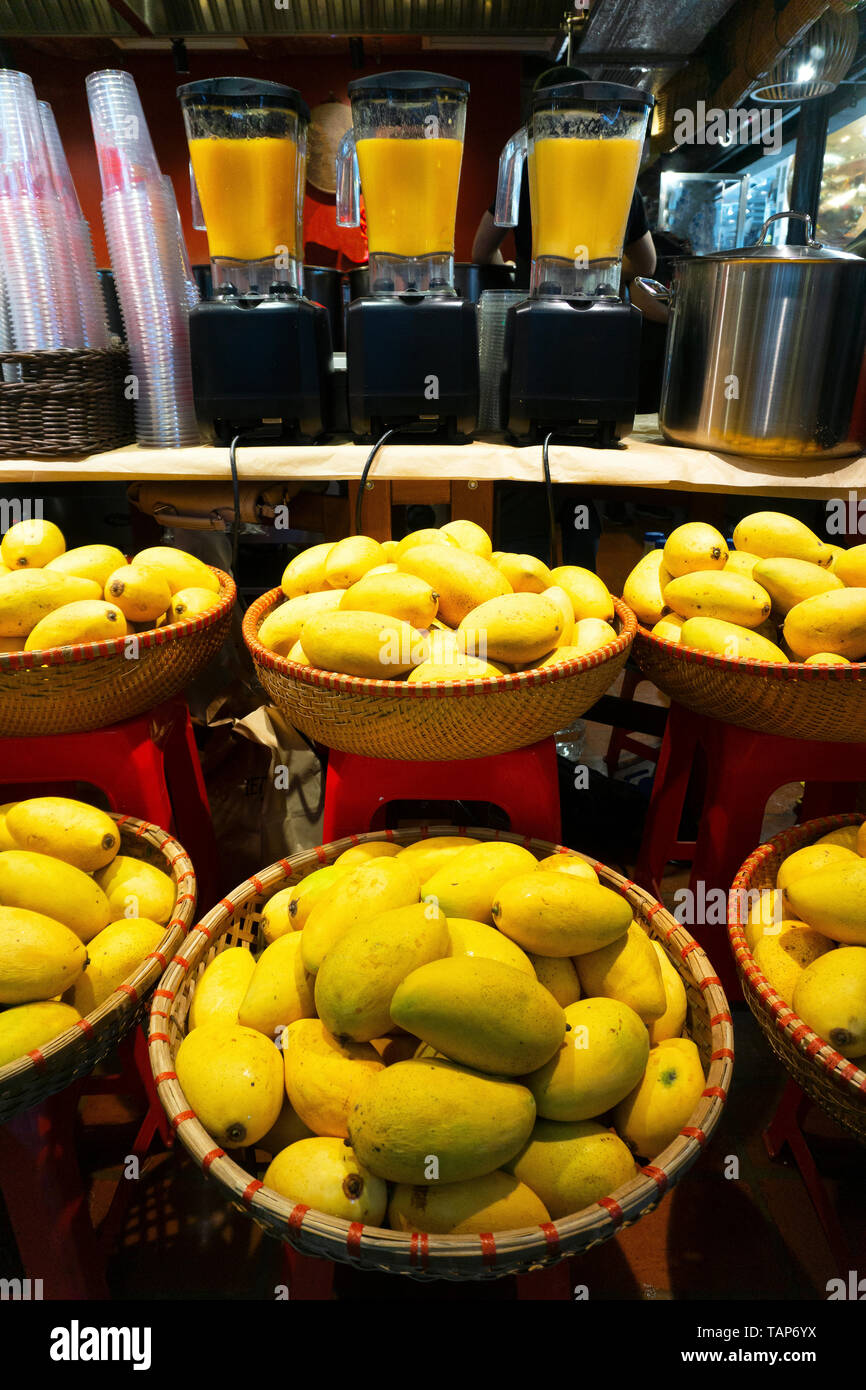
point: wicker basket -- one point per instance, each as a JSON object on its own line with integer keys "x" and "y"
{"x": 75, "y": 1052}
{"x": 795, "y": 701}
{"x": 834, "y": 1082}
{"x": 429, "y": 722}
{"x": 68, "y": 401}
{"x": 237, "y": 920}
{"x": 67, "y": 690}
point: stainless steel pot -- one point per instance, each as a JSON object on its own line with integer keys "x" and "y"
{"x": 765, "y": 351}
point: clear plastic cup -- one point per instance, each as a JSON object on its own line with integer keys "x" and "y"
{"x": 91, "y": 304}
{"x": 123, "y": 144}
{"x": 493, "y": 307}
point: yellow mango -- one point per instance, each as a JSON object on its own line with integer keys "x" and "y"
{"x": 220, "y": 989}
{"x": 305, "y": 574}
{"x": 39, "y": 956}
{"x": 69, "y": 830}
{"x": 692, "y": 547}
{"x": 95, "y": 562}
{"x": 280, "y": 990}
{"x": 325, "y": 1076}
{"x": 669, "y": 627}
{"x": 628, "y": 970}
{"x": 480, "y": 1013}
{"x": 362, "y": 644}
{"x": 325, "y": 1175}
{"x": 568, "y": 862}
{"x": 850, "y": 566}
{"x": 556, "y": 914}
{"x": 782, "y": 956}
{"x": 729, "y": 640}
{"x": 281, "y": 629}
{"x": 558, "y": 975}
{"x": 43, "y": 884}
{"x": 570, "y": 1165}
{"x": 350, "y": 559}
{"x": 663, "y": 1101}
{"x": 515, "y": 628}
{"x": 403, "y": 596}
{"x": 191, "y": 603}
{"x": 670, "y": 1023}
{"x": 362, "y": 854}
{"x": 141, "y": 593}
{"x": 456, "y": 668}
{"x": 114, "y": 954}
{"x": 469, "y": 536}
{"x": 374, "y": 887}
{"x": 770, "y": 534}
{"x": 358, "y": 978}
{"x": 833, "y": 622}
{"x": 476, "y": 939}
{"x": 30, "y": 1026}
{"x": 467, "y": 885}
{"x": 462, "y": 580}
{"x": 31, "y": 544}
{"x": 495, "y": 1202}
{"x": 716, "y": 594}
{"x": 135, "y": 888}
{"x": 289, "y": 908}
{"x": 643, "y": 588}
{"x": 429, "y": 1121}
{"x": 557, "y": 595}
{"x": 833, "y": 901}
{"x": 602, "y": 1057}
{"x": 589, "y": 595}
{"x": 232, "y": 1078}
{"x": 87, "y": 621}
{"x": 428, "y": 535}
{"x": 789, "y": 582}
{"x": 27, "y": 596}
{"x": 429, "y": 854}
{"x": 809, "y": 860}
{"x": 525, "y": 573}
{"x": 742, "y": 562}
{"x": 181, "y": 570}
{"x": 830, "y": 996}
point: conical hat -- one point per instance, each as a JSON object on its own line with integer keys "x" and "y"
{"x": 328, "y": 124}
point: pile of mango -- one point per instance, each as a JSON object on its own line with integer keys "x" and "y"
{"x": 54, "y": 597}
{"x": 439, "y": 605}
{"x": 808, "y": 936}
{"x": 76, "y": 917}
{"x": 781, "y": 595}
{"x": 450, "y": 1037}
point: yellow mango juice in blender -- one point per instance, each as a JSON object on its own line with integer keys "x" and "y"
{"x": 410, "y": 193}
{"x": 580, "y": 193}
{"x": 248, "y": 192}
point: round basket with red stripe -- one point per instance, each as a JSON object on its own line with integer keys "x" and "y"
{"x": 430, "y": 721}
{"x": 794, "y": 700}
{"x": 75, "y": 1052}
{"x": 67, "y": 690}
{"x": 235, "y": 921}
{"x": 834, "y": 1082}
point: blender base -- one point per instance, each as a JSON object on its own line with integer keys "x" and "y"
{"x": 412, "y": 366}
{"x": 571, "y": 369}
{"x": 260, "y": 367}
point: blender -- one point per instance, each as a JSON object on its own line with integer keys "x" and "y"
{"x": 411, "y": 343}
{"x": 572, "y": 348}
{"x": 260, "y": 351}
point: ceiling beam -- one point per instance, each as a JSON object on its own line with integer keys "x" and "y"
{"x": 130, "y": 17}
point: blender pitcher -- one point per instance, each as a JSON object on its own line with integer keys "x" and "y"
{"x": 582, "y": 146}
{"x": 248, "y": 153}
{"x": 404, "y": 153}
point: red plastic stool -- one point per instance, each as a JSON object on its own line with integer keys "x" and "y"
{"x": 147, "y": 767}
{"x": 309, "y": 1278}
{"x": 523, "y": 784}
{"x": 743, "y": 769}
{"x": 621, "y": 740}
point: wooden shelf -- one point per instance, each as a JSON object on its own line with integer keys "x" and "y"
{"x": 644, "y": 460}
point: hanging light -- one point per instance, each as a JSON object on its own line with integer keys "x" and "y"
{"x": 816, "y": 64}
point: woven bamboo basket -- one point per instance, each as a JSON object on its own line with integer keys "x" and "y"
{"x": 834, "y": 1082}
{"x": 795, "y": 701}
{"x": 65, "y": 401}
{"x": 429, "y": 722}
{"x": 75, "y": 1052}
{"x": 235, "y": 921}
{"x": 67, "y": 690}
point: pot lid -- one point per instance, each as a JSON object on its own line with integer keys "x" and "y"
{"x": 762, "y": 250}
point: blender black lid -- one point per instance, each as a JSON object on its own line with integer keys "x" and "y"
{"x": 251, "y": 90}
{"x": 397, "y": 84}
{"x": 595, "y": 91}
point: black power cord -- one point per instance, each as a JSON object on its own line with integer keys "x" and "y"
{"x": 554, "y": 551}
{"x": 359, "y": 500}
{"x": 236, "y": 497}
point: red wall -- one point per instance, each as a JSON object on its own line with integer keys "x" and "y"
{"x": 493, "y": 114}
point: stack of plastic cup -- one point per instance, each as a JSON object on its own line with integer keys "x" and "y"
{"x": 41, "y": 307}
{"x": 141, "y": 227}
{"x": 91, "y": 304}
{"x": 493, "y": 308}
{"x": 191, "y": 293}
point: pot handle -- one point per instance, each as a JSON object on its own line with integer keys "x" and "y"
{"x": 800, "y": 216}
{"x": 655, "y": 289}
